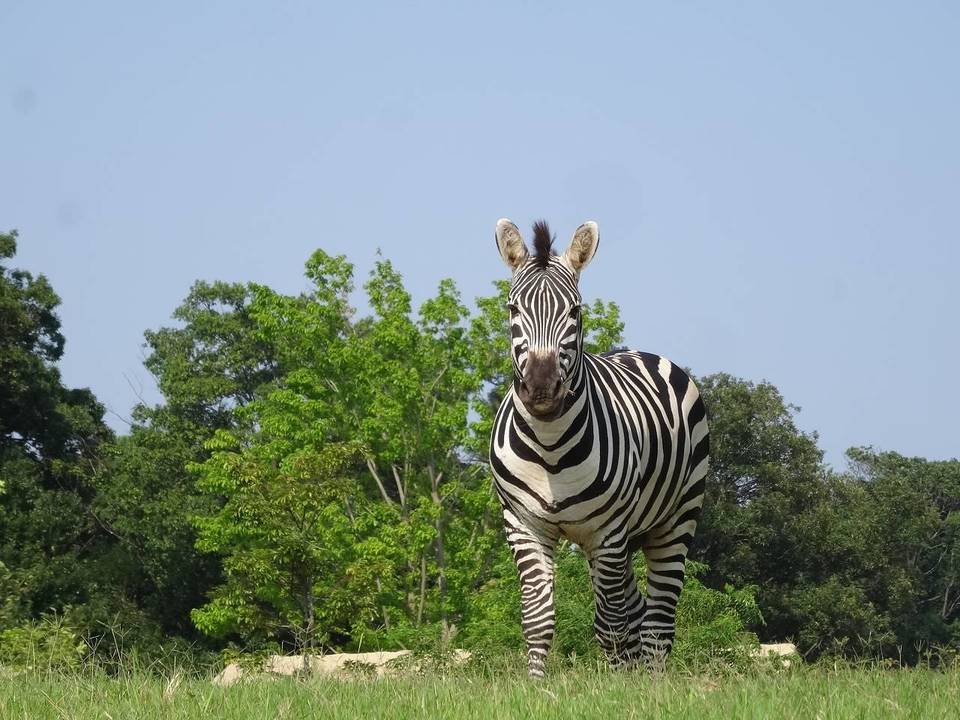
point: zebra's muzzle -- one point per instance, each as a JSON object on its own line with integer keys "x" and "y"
{"x": 541, "y": 387}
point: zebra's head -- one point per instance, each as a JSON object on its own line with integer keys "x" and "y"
{"x": 544, "y": 305}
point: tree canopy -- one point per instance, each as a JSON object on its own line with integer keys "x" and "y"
{"x": 316, "y": 477}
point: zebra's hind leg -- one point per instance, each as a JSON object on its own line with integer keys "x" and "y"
{"x": 618, "y": 604}
{"x": 534, "y": 558}
{"x": 666, "y": 556}
{"x": 635, "y": 607}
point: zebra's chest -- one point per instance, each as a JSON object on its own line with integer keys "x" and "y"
{"x": 559, "y": 479}
{"x": 575, "y": 502}
{"x": 548, "y": 478}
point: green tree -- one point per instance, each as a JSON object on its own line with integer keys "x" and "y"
{"x": 208, "y": 366}
{"x": 51, "y": 443}
{"x": 861, "y": 563}
{"x": 416, "y": 381}
{"x": 765, "y": 473}
{"x": 30, "y": 345}
{"x": 912, "y": 506}
{"x": 396, "y": 387}
{"x": 212, "y": 363}
{"x": 294, "y": 566}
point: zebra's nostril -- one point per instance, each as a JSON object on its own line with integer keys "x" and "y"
{"x": 556, "y": 388}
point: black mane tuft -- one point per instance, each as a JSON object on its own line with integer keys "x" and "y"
{"x": 542, "y": 244}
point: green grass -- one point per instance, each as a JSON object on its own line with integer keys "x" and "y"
{"x": 805, "y": 692}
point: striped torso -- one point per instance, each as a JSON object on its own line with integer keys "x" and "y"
{"x": 617, "y": 462}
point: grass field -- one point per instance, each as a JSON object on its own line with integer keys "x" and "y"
{"x": 806, "y": 692}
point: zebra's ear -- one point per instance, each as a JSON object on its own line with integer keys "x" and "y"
{"x": 583, "y": 245}
{"x": 510, "y": 243}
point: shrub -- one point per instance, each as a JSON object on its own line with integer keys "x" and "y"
{"x": 49, "y": 643}
{"x": 711, "y": 624}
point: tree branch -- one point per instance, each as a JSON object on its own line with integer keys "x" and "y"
{"x": 372, "y": 467}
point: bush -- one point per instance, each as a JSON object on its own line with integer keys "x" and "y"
{"x": 11, "y": 598}
{"x": 402, "y": 635}
{"x": 49, "y": 643}
{"x": 492, "y": 619}
{"x": 711, "y": 624}
{"x": 836, "y": 618}
{"x": 88, "y": 636}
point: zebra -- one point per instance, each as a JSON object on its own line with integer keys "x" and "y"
{"x": 608, "y": 451}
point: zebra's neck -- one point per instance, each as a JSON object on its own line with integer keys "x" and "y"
{"x": 576, "y": 411}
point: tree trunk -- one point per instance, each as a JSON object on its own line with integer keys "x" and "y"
{"x": 435, "y": 479}
{"x": 423, "y": 587}
{"x": 308, "y": 641}
{"x": 372, "y": 467}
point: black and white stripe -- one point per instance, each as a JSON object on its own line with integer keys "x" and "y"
{"x": 614, "y": 460}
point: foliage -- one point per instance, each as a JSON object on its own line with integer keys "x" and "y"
{"x": 207, "y": 368}
{"x": 710, "y": 623}
{"x": 214, "y": 362}
{"x": 397, "y": 386}
{"x": 51, "y": 446}
{"x": 858, "y": 563}
{"x": 285, "y": 538}
{"x": 317, "y": 476}
{"x": 30, "y": 342}
{"x": 48, "y": 643}
{"x": 913, "y": 509}
{"x": 765, "y": 472}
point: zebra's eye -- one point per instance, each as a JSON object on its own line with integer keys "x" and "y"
{"x": 575, "y": 312}
{"x": 513, "y": 309}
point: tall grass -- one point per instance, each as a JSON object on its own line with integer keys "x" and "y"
{"x": 493, "y": 688}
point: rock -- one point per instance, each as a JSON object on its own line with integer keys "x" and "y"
{"x": 460, "y": 656}
{"x": 340, "y": 665}
{"x": 231, "y": 674}
{"x": 776, "y": 651}
{"x": 332, "y": 664}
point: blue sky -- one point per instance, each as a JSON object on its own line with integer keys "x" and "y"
{"x": 777, "y": 185}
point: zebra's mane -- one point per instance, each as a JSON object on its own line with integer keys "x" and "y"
{"x": 542, "y": 244}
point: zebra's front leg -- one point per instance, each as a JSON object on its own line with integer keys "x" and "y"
{"x": 619, "y": 605}
{"x": 666, "y": 557}
{"x": 534, "y": 558}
